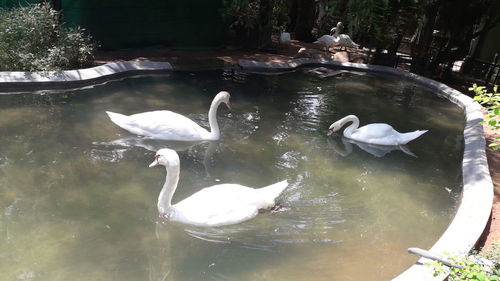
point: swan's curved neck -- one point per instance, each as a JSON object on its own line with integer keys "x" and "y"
{"x": 212, "y": 120}
{"x": 338, "y": 30}
{"x": 350, "y": 129}
{"x": 166, "y": 193}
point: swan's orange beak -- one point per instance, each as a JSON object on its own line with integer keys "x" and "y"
{"x": 330, "y": 132}
{"x": 228, "y": 104}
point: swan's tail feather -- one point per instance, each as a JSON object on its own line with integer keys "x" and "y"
{"x": 272, "y": 191}
{"x": 117, "y": 118}
{"x": 407, "y": 137}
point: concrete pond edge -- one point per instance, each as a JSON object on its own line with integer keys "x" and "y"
{"x": 26, "y": 81}
{"x": 477, "y": 197}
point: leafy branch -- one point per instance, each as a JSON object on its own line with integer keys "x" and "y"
{"x": 491, "y": 101}
{"x": 469, "y": 268}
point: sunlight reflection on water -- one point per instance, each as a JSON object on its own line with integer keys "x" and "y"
{"x": 77, "y": 198}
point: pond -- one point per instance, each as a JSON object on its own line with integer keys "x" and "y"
{"x": 78, "y": 201}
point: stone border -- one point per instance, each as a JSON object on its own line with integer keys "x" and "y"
{"x": 18, "y": 80}
{"x": 477, "y": 196}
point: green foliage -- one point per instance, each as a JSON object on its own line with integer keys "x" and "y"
{"x": 372, "y": 15}
{"x": 374, "y": 23}
{"x": 470, "y": 268}
{"x": 491, "y": 101}
{"x": 32, "y": 39}
{"x": 246, "y": 13}
{"x": 492, "y": 252}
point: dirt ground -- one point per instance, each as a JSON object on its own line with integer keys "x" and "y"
{"x": 280, "y": 53}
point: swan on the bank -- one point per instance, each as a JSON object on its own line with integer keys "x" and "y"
{"x": 343, "y": 40}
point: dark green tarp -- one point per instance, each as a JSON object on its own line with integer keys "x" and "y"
{"x": 115, "y": 24}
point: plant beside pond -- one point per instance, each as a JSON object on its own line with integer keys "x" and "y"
{"x": 484, "y": 266}
{"x": 491, "y": 102}
{"x": 32, "y": 38}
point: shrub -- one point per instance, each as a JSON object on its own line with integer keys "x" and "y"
{"x": 33, "y": 39}
{"x": 491, "y": 101}
{"x": 470, "y": 268}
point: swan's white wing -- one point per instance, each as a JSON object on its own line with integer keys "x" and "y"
{"x": 220, "y": 205}
{"x": 326, "y": 40}
{"x": 377, "y": 133}
{"x": 163, "y": 124}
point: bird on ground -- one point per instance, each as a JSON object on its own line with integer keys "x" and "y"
{"x": 342, "y": 40}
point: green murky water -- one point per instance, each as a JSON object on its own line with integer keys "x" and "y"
{"x": 78, "y": 202}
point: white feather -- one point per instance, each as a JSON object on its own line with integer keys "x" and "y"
{"x": 376, "y": 133}
{"x": 168, "y": 125}
{"x": 216, "y": 205}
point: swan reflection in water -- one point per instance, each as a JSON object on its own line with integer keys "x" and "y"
{"x": 184, "y": 252}
{"x": 344, "y": 147}
{"x": 157, "y": 144}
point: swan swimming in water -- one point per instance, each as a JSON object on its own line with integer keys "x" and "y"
{"x": 216, "y": 205}
{"x": 376, "y": 133}
{"x": 168, "y": 125}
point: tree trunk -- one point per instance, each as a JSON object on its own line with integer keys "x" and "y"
{"x": 259, "y": 35}
{"x": 302, "y": 15}
{"x": 393, "y": 49}
{"x": 265, "y": 26}
{"x": 421, "y": 49}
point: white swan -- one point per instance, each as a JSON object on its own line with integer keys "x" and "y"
{"x": 284, "y": 38}
{"x": 343, "y": 40}
{"x": 216, "y": 205}
{"x": 326, "y": 41}
{"x": 376, "y": 133}
{"x": 168, "y": 125}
